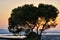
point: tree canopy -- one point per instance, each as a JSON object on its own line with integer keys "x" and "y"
{"x": 22, "y": 16}
{"x": 42, "y": 16}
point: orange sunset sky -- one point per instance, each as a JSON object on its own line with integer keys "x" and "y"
{"x": 6, "y": 7}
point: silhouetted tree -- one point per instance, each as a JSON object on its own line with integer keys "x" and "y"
{"x": 22, "y": 16}
{"x": 46, "y": 15}
{"x": 39, "y": 18}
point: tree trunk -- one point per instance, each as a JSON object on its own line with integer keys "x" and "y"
{"x": 42, "y": 30}
{"x": 37, "y": 36}
{"x": 37, "y": 30}
{"x": 31, "y": 29}
{"x": 40, "y": 36}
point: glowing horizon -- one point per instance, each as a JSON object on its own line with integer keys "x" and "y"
{"x": 6, "y": 7}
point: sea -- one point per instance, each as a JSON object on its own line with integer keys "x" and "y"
{"x": 51, "y": 37}
{"x": 45, "y": 36}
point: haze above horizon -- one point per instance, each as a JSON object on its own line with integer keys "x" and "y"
{"x": 6, "y": 7}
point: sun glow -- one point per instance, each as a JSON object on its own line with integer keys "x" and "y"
{"x": 6, "y": 7}
{"x": 42, "y": 21}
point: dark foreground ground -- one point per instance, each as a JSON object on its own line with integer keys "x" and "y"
{"x": 44, "y": 37}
